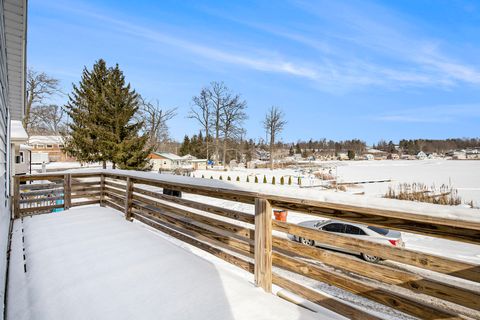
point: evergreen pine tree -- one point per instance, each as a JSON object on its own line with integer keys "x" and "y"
{"x": 200, "y": 149}
{"x": 282, "y": 180}
{"x": 102, "y": 128}
{"x": 185, "y": 147}
{"x": 291, "y": 152}
{"x": 290, "y": 180}
{"x": 264, "y": 179}
{"x": 85, "y": 104}
{"x": 297, "y": 148}
{"x": 126, "y": 147}
{"x": 273, "y": 180}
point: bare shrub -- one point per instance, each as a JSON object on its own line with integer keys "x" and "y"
{"x": 323, "y": 176}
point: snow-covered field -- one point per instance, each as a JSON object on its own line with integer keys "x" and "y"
{"x": 461, "y": 175}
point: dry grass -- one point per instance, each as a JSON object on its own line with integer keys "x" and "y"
{"x": 445, "y": 195}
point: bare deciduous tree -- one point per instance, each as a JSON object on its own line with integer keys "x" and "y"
{"x": 201, "y": 111}
{"x": 274, "y": 123}
{"x": 155, "y": 121}
{"x": 219, "y": 94}
{"x": 232, "y": 117}
{"x": 47, "y": 119}
{"x": 221, "y": 113}
{"x": 40, "y": 86}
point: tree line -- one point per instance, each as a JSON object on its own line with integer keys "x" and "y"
{"x": 440, "y": 146}
{"x": 325, "y": 147}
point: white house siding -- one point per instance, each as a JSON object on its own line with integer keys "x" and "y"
{"x": 4, "y": 145}
{"x": 164, "y": 164}
{"x": 12, "y": 102}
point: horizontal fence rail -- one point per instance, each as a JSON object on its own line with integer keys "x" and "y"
{"x": 444, "y": 288}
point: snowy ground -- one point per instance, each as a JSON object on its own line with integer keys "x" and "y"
{"x": 461, "y": 175}
{"x": 90, "y": 263}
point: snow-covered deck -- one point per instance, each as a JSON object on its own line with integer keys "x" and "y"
{"x": 90, "y": 263}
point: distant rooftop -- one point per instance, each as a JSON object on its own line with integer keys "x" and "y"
{"x": 45, "y": 140}
{"x": 168, "y": 155}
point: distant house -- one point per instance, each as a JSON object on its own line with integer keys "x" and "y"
{"x": 459, "y": 155}
{"x": 369, "y": 156}
{"x": 472, "y": 154}
{"x": 377, "y": 154}
{"x": 165, "y": 161}
{"x": 393, "y": 156}
{"x": 192, "y": 162}
{"x": 421, "y": 155}
{"x": 342, "y": 156}
{"x": 188, "y": 157}
{"x": 50, "y": 145}
{"x": 199, "y": 164}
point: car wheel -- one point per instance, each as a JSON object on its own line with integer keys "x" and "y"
{"x": 369, "y": 258}
{"x": 308, "y": 242}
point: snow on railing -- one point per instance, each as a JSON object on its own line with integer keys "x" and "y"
{"x": 245, "y": 237}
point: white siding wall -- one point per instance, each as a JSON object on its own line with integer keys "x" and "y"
{"x": 4, "y": 155}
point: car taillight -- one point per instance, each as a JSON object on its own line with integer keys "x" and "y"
{"x": 394, "y": 242}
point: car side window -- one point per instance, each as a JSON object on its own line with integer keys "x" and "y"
{"x": 354, "y": 230}
{"x": 335, "y": 227}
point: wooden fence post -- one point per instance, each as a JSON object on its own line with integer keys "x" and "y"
{"x": 16, "y": 197}
{"x": 102, "y": 190}
{"x": 67, "y": 191}
{"x": 263, "y": 244}
{"x": 128, "y": 199}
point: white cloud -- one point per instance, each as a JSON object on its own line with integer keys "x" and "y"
{"x": 362, "y": 48}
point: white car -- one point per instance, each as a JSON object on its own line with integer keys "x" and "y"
{"x": 360, "y": 231}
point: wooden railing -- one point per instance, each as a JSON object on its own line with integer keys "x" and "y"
{"x": 437, "y": 288}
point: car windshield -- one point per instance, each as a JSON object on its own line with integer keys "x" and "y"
{"x": 379, "y": 230}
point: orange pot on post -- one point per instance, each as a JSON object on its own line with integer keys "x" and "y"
{"x": 280, "y": 215}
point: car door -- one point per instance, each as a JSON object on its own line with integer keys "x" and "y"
{"x": 333, "y": 227}
{"x": 355, "y": 232}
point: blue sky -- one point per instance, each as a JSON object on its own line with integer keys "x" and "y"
{"x": 338, "y": 69}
